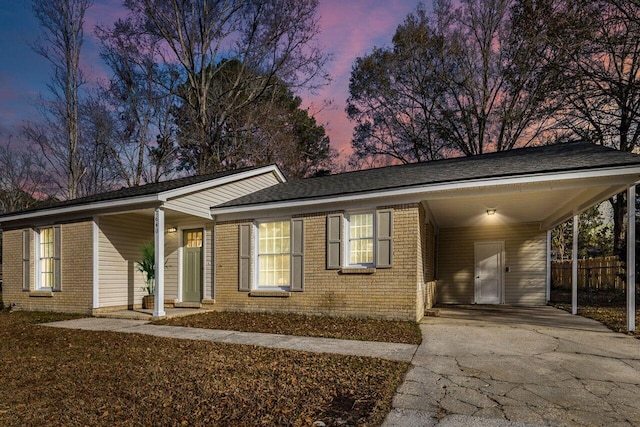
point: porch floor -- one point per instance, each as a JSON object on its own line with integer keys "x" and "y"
{"x": 140, "y": 314}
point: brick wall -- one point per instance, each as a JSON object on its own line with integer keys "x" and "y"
{"x": 426, "y": 290}
{"x": 387, "y": 293}
{"x": 76, "y": 272}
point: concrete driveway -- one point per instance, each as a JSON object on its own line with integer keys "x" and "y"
{"x": 506, "y": 366}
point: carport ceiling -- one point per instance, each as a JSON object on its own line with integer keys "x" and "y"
{"x": 546, "y": 203}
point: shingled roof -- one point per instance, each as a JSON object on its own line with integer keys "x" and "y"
{"x": 572, "y": 156}
{"x": 131, "y": 192}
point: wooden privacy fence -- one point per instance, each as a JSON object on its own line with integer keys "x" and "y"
{"x": 604, "y": 273}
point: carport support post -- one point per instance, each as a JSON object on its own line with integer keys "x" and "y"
{"x": 574, "y": 267}
{"x": 158, "y": 229}
{"x": 631, "y": 258}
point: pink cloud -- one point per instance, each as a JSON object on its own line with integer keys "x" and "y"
{"x": 350, "y": 29}
{"x": 104, "y": 13}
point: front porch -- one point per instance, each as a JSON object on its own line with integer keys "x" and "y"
{"x": 183, "y": 262}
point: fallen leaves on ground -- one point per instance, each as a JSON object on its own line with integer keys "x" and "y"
{"x": 615, "y": 318}
{"x": 301, "y": 325}
{"x": 53, "y": 376}
{"x": 607, "y": 307}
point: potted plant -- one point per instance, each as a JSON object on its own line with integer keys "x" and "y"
{"x": 147, "y": 266}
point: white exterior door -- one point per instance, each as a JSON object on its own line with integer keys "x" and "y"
{"x": 488, "y": 272}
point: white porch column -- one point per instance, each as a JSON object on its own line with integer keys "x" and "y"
{"x": 159, "y": 245}
{"x": 96, "y": 265}
{"x": 548, "y": 265}
{"x": 574, "y": 267}
{"x": 631, "y": 258}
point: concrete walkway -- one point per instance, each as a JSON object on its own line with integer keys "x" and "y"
{"x": 505, "y": 366}
{"x": 390, "y": 351}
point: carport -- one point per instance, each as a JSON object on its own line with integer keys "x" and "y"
{"x": 529, "y": 195}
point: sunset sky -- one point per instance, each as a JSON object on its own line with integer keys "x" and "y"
{"x": 349, "y": 28}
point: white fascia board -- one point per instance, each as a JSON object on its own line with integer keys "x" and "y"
{"x": 129, "y": 201}
{"x": 82, "y": 207}
{"x": 215, "y": 182}
{"x": 422, "y": 190}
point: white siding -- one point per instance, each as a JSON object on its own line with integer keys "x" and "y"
{"x": 119, "y": 247}
{"x": 198, "y": 203}
{"x": 525, "y": 255}
{"x": 171, "y": 244}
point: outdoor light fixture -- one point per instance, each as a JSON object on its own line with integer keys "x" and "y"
{"x": 491, "y": 211}
{"x": 173, "y": 229}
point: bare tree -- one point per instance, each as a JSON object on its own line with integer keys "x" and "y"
{"x": 62, "y": 23}
{"x": 394, "y": 95}
{"x": 269, "y": 39}
{"x": 141, "y": 94}
{"x": 271, "y": 129}
{"x": 98, "y": 148}
{"x": 463, "y": 79}
{"x": 602, "y": 91}
{"x": 22, "y": 182}
{"x": 603, "y": 94}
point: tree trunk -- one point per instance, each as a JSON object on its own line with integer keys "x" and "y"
{"x": 619, "y": 205}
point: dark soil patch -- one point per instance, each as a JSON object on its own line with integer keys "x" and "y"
{"x": 596, "y": 297}
{"x": 311, "y": 326}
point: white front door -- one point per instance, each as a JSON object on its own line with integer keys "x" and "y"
{"x": 488, "y": 272}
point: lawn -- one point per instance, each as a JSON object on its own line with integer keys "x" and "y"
{"x": 301, "y": 325}
{"x": 54, "y": 376}
{"x": 614, "y": 318}
{"x": 607, "y": 307}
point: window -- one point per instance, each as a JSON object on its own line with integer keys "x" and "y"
{"x": 360, "y": 239}
{"x": 47, "y": 252}
{"x": 274, "y": 254}
{"x": 193, "y": 239}
{"x": 271, "y": 256}
{"x": 363, "y": 239}
{"x": 46, "y": 259}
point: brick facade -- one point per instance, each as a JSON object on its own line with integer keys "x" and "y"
{"x": 76, "y": 259}
{"x": 387, "y": 293}
{"x": 400, "y": 292}
{"x": 426, "y": 290}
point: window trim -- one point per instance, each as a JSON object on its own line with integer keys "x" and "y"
{"x": 347, "y": 239}
{"x": 255, "y": 286}
{"x": 37, "y": 258}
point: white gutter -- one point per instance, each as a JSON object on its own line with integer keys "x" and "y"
{"x": 83, "y": 207}
{"x": 157, "y": 197}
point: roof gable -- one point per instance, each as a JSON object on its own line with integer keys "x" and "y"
{"x": 160, "y": 191}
